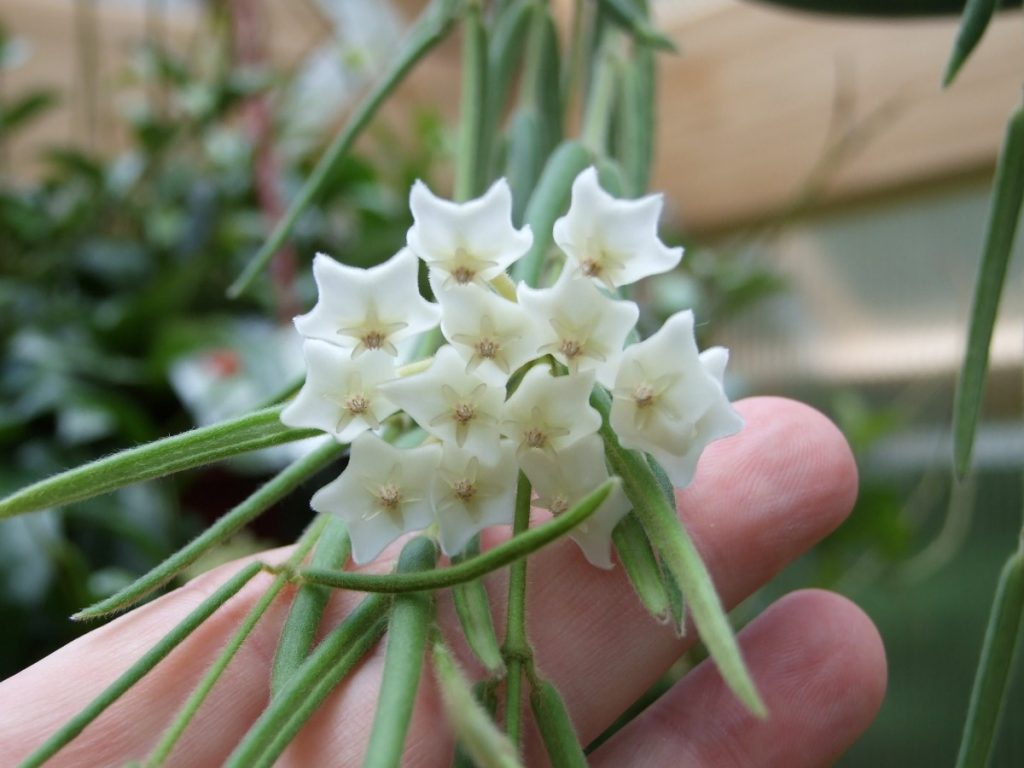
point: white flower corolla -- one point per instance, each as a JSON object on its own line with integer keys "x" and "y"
{"x": 582, "y": 327}
{"x": 493, "y": 335}
{"x": 452, "y": 404}
{"x": 383, "y": 493}
{"x": 367, "y": 309}
{"x": 549, "y": 413}
{"x": 340, "y": 393}
{"x": 469, "y": 242}
{"x": 610, "y": 240}
{"x": 469, "y": 495}
{"x": 668, "y": 399}
{"x": 560, "y": 483}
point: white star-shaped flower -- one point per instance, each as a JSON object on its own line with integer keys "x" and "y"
{"x": 367, "y": 309}
{"x": 493, "y": 335}
{"x": 340, "y": 393}
{"x": 469, "y": 495}
{"x": 583, "y": 328}
{"x": 468, "y": 242}
{"x": 453, "y": 404}
{"x": 550, "y": 413}
{"x": 668, "y": 399}
{"x": 610, "y": 240}
{"x": 562, "y": 481}
{"x": 383, "y": 493}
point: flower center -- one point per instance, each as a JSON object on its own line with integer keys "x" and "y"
{"x": 644, "y": 396}
{"x": 357, "y": 403}
{"x": 464, "y": 490}
{"x": 571, "y": 348}
{"x": 534, "y": 437}
{"x": 591, "y": 267}
{"x": 463, "y": 275}
{"x": 559, "y": 505}
{"x": 463, "y": 412}
{"x": 373, "y": 340}
{"x": 389, "y": 496}
{"x": 488, "y": 348}
{"x": 463, "y": 272}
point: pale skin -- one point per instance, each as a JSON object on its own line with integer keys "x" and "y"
{"x": 759, "y": 500}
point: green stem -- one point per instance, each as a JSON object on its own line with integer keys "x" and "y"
{"x": 474, "y": 611}
{"x": 333, "y": 658}
{"x": 332, "y": 550}
{"x": 517, "y": 650}
{"x": 141, "y": 667}
{"x": 331, "y": 678}
{"x": 430, "y": 29}
{"x": 164, "y": 748}
{"x": 471, "y": 109}
{"x": 281, "y": 485}
{"x": 515, "y": 548}
{"x": 408, "y": 630}
{"x": 203, "y": 445}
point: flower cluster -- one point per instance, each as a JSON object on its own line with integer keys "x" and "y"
{"x": 511, "y": 388}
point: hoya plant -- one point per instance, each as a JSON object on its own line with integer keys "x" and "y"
{"x": 485, "y": 392}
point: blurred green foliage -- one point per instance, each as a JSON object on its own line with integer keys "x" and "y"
{"x": 112, "y": 273}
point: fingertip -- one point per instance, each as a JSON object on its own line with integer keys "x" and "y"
{"x": 836, "y": 644}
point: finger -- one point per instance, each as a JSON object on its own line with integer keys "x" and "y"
{"x": 39, "y": 700}
{"x": 818, "y": 661}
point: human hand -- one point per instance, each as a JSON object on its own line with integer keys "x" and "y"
{"x": 759, "y": 500}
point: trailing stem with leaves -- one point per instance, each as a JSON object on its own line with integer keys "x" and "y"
{"x": 518, "y": 381}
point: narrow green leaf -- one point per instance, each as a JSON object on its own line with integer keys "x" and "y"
{"x": 505, "y": 50}
{"x": 627, "y": 15}
{"x": 973, "y": 23}
{"x": 327, "y": 666}
{"x": 555, "y": 726}
{"x": 676, "y": 603}
{"x": 517, "y": 646}
{"x": 611, "y": 177}
{"x": 524, "y": 158}
{"x": 473, "y": 145}
{"x": 408, "y": 629}
{"x": 498, "y": 557}
{"x": 680, "y": 556}
{"x": 320, "y": 689}
{"x": 432, "y": 26}
{"x": 599, "y": 110}
{"x": 141, "y": 667}
{"x": 332, "y": 551}
{"x": 638, "y": 101}
{"x": 195, "y": 700}
{"x": 268, "y": 494}
{"x": 642, "y": 566}
{"x": 549, "y": 201}
{"x": 483, "y": 743}
{"x": 486, "y": 695}
{"x": 993, "y": 675}
{"x": 547, "y": 77}
{"x": 474, "y": 611}
{"x": 161, "y": 457}
{"x": 1004, "y": 214}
